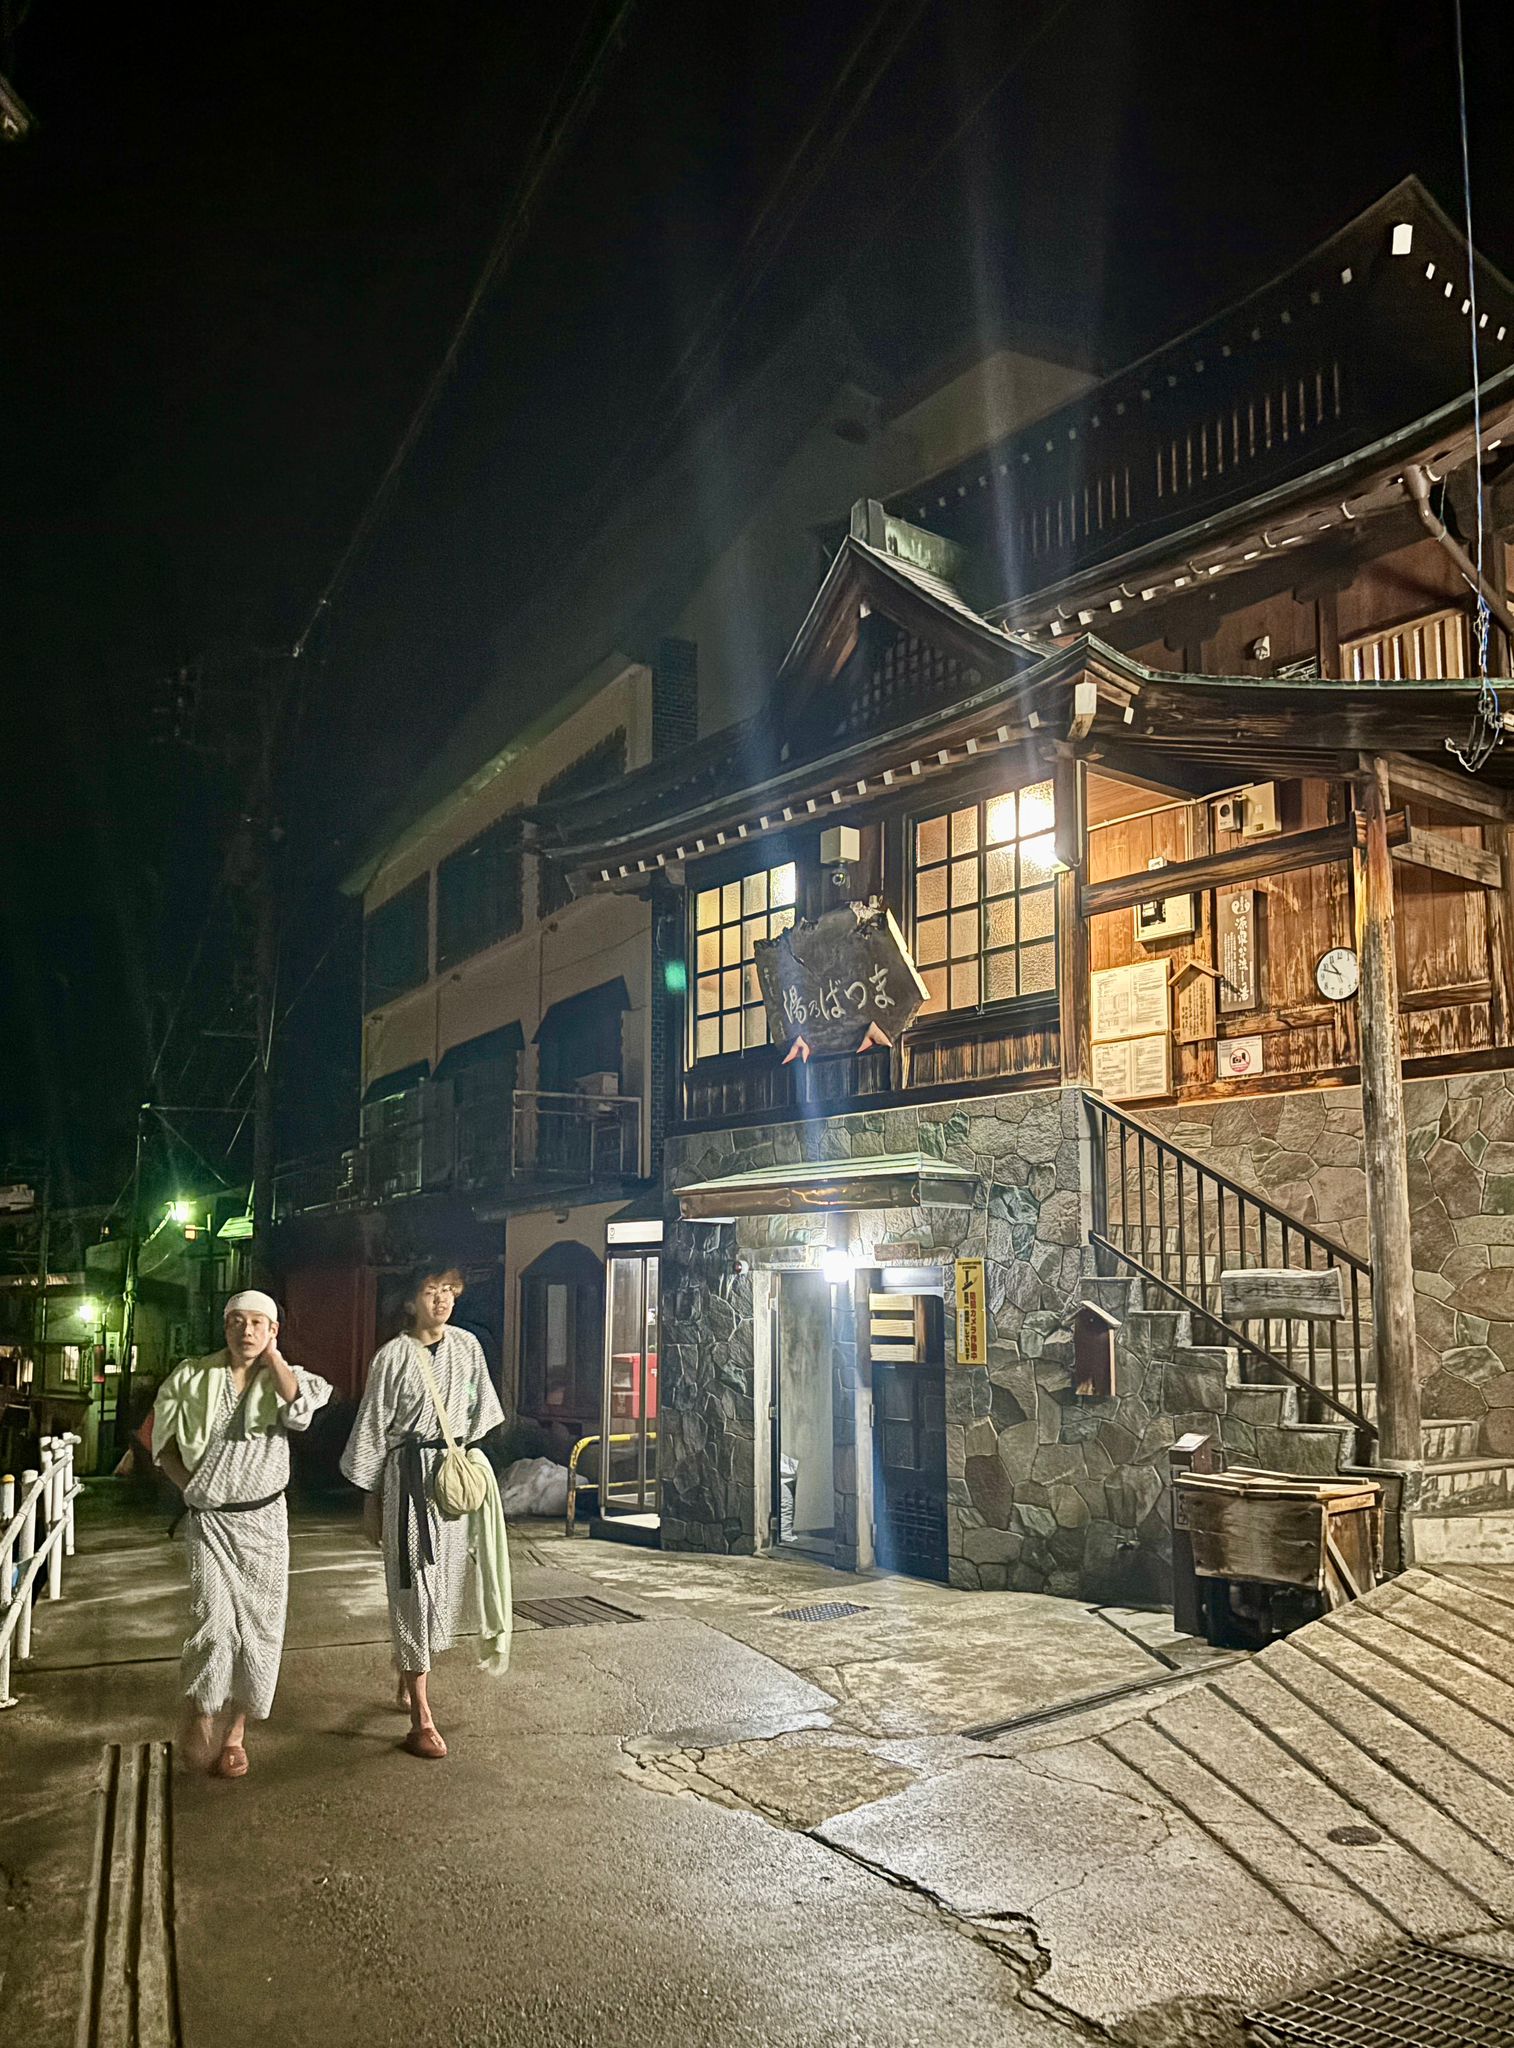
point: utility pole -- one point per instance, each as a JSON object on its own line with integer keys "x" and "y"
{"x": 44, "y": 1248}
{"x": 129, "y": 1293}
{"x": 262, "y": 883}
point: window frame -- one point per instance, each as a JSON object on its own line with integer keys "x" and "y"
{"x": 453, "y": 947}
{"x": 979, "y": 797}
{"x": 743, "y": 964}
{"x": 416, "y": 891}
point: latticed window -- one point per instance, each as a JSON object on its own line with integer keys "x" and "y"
{"x": 728, "y": 922}
{"x": 986, "y": 901}
{"x": 1422, "y": 651}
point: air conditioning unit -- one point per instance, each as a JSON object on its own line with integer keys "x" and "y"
{"x": 598, "y": 1084}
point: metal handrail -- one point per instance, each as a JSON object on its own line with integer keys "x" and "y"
{"x": 52, "y": 1489}
{"x": 602, "y": 1483}
{"x": 1179, "y": 1223}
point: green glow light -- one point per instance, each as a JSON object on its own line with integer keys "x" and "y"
{"x": 675, "y": 977}
{"x": 182, "y": 1211}
{"x": 89, "y": 1312}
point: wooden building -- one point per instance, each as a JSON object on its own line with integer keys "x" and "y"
{"x": 1219, "y": 619}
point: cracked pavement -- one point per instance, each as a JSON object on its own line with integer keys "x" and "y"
{"x": 710, "y": 1826}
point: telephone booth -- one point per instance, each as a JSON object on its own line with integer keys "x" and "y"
{"x": 628, "y": 1410}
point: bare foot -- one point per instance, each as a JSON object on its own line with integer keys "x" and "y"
{"x": 232, "y": 1762}
{"x": 425, "y": 1741}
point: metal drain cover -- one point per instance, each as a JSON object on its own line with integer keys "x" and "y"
{"x": 581, "y": 1613}
{"x": 824, "y": 1610}
{"x": 1417, "y": 1994}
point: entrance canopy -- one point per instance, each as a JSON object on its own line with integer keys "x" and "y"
{"x": 906, "y": 1180}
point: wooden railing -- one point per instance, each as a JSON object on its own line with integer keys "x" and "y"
{"x": 1179, "y": 1224}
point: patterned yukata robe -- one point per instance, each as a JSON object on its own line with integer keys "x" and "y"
{"x": 441, "y": 1601}
{"x": 238, "y": 1563}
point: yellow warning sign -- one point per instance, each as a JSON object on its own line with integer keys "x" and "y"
{"x": 972, "y": 1313}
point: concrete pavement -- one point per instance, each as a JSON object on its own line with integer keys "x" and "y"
{"x": 718, "y": 1825}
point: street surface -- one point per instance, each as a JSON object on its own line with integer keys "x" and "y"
{"x": 714, "y": 1825}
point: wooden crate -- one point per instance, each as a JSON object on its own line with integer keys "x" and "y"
{"x": 1276, "y": 1529}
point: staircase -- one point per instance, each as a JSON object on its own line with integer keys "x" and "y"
{"x": 1281, "y": 1396}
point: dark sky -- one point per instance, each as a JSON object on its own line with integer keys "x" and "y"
{"x": 236, "y": 246}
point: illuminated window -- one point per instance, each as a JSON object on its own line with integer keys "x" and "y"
{"x": 986, "y": 901}
{"x": 728, "y": 922}
{"x": 1422, "y": 651}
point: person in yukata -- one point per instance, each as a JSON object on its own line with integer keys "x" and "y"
{"x": 220, "y": 1430}
{"x": 393, "y": 1453}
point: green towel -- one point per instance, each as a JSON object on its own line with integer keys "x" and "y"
{"x": 491, "y": 1548}
{"x": 189, "y": 1401}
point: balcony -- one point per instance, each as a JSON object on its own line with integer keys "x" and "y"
{"x": 510, "y": 1146}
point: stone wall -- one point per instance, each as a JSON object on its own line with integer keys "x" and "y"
{"x": 1304, "y": 1151}
{"x": 1046, "y": 1491}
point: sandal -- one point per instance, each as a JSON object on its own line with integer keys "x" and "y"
{"x": 425, "y": 1742}
{"x": 231, "y": 1763}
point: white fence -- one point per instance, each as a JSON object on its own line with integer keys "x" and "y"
{"x": 36, "y": 1534}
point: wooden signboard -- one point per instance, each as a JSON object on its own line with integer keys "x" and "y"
{"x": 1285, "y": 1293}
{"x": 1235, "y": 945}
{"x": 897, "y": 1332}
{"x": 972, "y": 1313}
{"x": 840, "y": 984}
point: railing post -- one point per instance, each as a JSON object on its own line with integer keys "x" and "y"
{"x": 55, "y": 1510}
{"x": 71, "y": 1443}
{"x": 7, "y": 1574}
{"x": 26, "y": 1546}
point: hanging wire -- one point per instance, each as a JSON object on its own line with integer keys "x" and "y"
{"x": 1487, "y": 719}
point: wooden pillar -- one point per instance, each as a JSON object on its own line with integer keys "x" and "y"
{"x": 1383, "y": 1129}
{"x": 1496, "y": 840}
{"x": 1072, "y": 927}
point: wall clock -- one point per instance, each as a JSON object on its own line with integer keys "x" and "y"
{"x": 1337, "y": 973}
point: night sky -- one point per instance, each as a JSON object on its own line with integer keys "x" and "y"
{"x": 234, "y": 250}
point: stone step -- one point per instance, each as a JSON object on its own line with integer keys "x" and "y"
{"x": 1429, "y": 1767}
{"x": 1449, "y": 1618}
{"x": 1435, "y": 1663}
{"x": 1313, "y": 1450}
{"x": 1239, "y": 1746}
{"x": 1465, "y": 1538}
{"x": 1337, "y": 1912}
{"x": 1448, "y": 1442}
{"x": 1119, "y": 1293}
{"x": 1466, "y": 1486}
{"x": 1265, "y": 1407}
{"x": 1388, "y": 1669}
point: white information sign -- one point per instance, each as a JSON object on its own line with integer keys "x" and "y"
{"x": 1130, "y": 1002}
{"x": 1128, "y": 1069}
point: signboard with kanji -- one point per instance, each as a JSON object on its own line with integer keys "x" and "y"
{"x": 841, "y": 984}
{"x": 972, "y": 1313}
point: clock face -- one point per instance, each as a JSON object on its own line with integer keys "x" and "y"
{"x": 1337, "y": 973}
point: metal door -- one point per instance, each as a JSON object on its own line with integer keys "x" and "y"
{"x": 909, "y": 1469}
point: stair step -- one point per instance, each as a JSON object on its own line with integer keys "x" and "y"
{"x": 1468, "y": 1537}
{"x": 1294, "y": 1873}
{"x": 1311, "y": 1449}
{"x": 1445, "y": 1721}
{"x": 1449, "y": 1442}
{"x": 1466, "y": 1485}
{"x": 1267, "y": 1407}
{"x": 1243, "y": 1752}
{"x": 1429, "y": 1765}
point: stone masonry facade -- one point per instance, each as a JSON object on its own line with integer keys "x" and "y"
{"x": 1047, "y": 1491}
{"x": 1304, "y": 1151}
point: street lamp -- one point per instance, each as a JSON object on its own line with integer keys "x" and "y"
{"x": 89, "y": 1313}
{"x": 182, "y": 1211}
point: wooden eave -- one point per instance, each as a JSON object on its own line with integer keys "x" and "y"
{"x": 863, "y": 577}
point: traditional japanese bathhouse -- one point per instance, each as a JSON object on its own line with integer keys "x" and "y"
{"x": 1153, "y": 747}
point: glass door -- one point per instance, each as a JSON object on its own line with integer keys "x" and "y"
{"x": 628, "y": 1446}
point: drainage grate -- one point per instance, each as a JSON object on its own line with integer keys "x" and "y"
{"x": 583, "y": 1613}
{"x": 825, "y": 1610}
{"x": 1414, "y": 1994}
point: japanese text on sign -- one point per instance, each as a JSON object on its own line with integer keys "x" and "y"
{"x": 972, "y": 1313}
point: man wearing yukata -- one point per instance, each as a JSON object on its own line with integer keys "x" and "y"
{"x": 393, "y": 1454}
{"x": 221, "y": 1429}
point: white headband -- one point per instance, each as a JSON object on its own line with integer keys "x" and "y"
{"x": 253, "y": 1303}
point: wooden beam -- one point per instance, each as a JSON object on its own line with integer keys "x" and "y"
{"x": 1498, "y": 843}
{"x": 1146, "y": 768}
{"x": 1072, "y": 928}
{"x": 1423, "y": 848}
{"x": 1246, "y": 863}
{"x": 1383, "y": 1130}
{"x": 1425, "y": 783}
